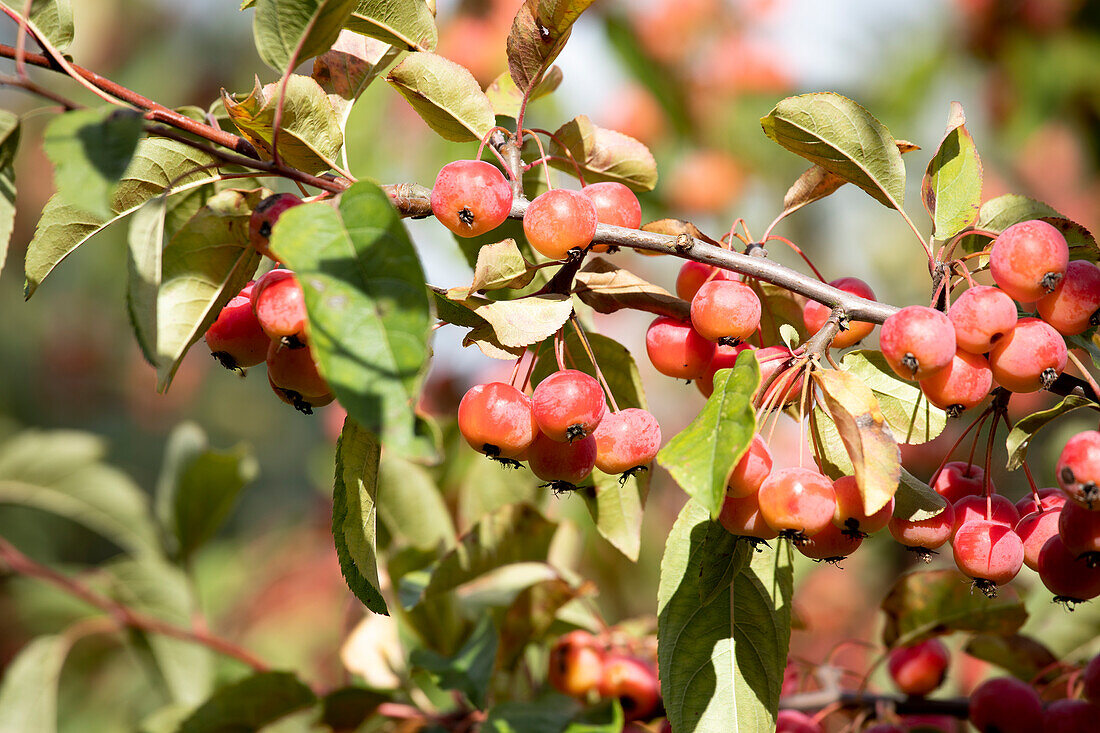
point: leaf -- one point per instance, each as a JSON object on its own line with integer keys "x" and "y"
{"x": 204, "y": 265}
{"x": 829, "y": 450}
{"x": 369, "y": 313}
{"x": 862, "y": 426}
{"x": 499, "y": 266}
{"x": 607, "y": 288}
{"x": 28, "y": 691}
{"x": 817, "y": 183}
{"x": 604, "y": 155}
{"x": 915, "y": 500}
{"x": 548, "y": 714}
{"x": 932, "y": 602}
{"x": 310, "y": 135}
{"x": 539, "y": 32}
{"x": 506, "y": 97}
{"x": 445, "y": 94}
{"x": 90, "y": 150}
{"x": 526, "y": 320}
{"x": 407, "y": 24}
{"x": 1021, "y": 656}
{"x": 675, "y": 228}
{"x": 250, "y": 704}
{"x": 53, "y": 18}
{"x": 531, "y": 614}
{"x": 349, "y": 68}
{"x": 1001, "y": 212}
{"x": 411, "y": 506}
{"x": 347, "y": 708}
{"x": 703, "y": 455}
{"x": 842, "y": 137}
{"x": 912, "y": 419}
{"x": 1019, "y": 438}
{"x": 722, "y": 558}
{"x": 354, "y": 513}
{"x": 468, "y": 671}
{"x": 721, "y": 662}
{"x": 605, "y": 717}
{"x": 952, "y": 185}
{"x": 10, "y": 132}
{"x": 143, "y": 264}
{"x": 288, "y": 32}
{"x": 62, "y": 227}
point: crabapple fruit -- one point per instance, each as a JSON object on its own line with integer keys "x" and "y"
{"x": 751, "y": 470}
{"x": 917, "y": 342}
{"x": 742, "y": 517}
{"x": 235, "y": 338}
{"x": 785, "y": 387}
{"x": 576, "y": 664}
{"x": 676, "y": 350}
{"x": 693, "y": 274}
{"x": 1071, "y": 579}
{"x": 1001, "y": 510}
{"x": 562, "y": 464}
{"x": 497, "y": 419}
{"x": 626, "y": 440}
{"x": 1078, "y": 469}
{"x": 725, "y": 357}
{"x": 797, "y": 502}
{"x": 792, "y": 721}
{"x": 815, "y": 315}
{"x": 1049, "y": 498}
{"x": 280, "y": 307}
{"x": 615, "y": 204}
{"x": 990, "y": 553}
{"x": 830, "y": 545}
{"x": 298, "y": 401}
{"x": 1070, "y": 716}
{"x": 923, "y": 536}
{"x": 295, "y": 370}
{"x": 1029, "y": 358}
{"x": 568, "y": 405}
{"x": 850, "y": 515}
{"x": 1006, "y": 705}
{"x": 471, "y": 197}
{"x": 263, "y": 218}
{"x": 558, "y": 221}
{"x": 1028, "y": 260}
{"x": 1080, "y": 530}
{"x": 1034, "y": 530}
{"x": 962, "y": 384}
{"x": 919, "y": 669}
{"x": 1073, "y": 306}
{"x": 725, "y": 310}
{"x": 981, "y": 316}
{"x": 634, "y": 683}
{"x": 958, "y": 479}
{"x": 1091, "y": 680}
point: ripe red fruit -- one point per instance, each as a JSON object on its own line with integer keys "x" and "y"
{"x": 280, "y": 307}
{"x": 990, "y": 553}
{"x": 1006, "y": 705}
{"x": 626, "y": 440}
{"x": 235, "y": 338}
{"x": 1080, "y": 530}
{"x": 917, "y": 342}
{"x": 471, "y": 197}
{"x": 850, "y": 516}
{"x": 815, "y": 314}
{"x": 634, "y": 683}
{"x": 1072, "y": 307}
{"x": 1091, "y": 680}
{"x": 568, "y": 405}
{"x": 676, "y": 350}
{"x": 792, "y": 721}
{"x": 558, "y": 221}
{"x": 497, "y": 419}
{"x": 1069, "y": 578}
{"x": 725, "y": 357}
{"x": 1070, "y": 716}
{"x": 923, "y": 536}
{"x": 615, "y": 204}
{"x": 263, "y": 218}
{"x": 1028, "y": 358}
{"x": 302, "y": 404}
{"x": 741, "y": 517}
{"x": 576, "y": 664}
{"x": 1049, "y": 498}
{"x": 725, "y": 310}
{"x": 787, "y": 383}
{"x": 751, "y": 470}
{"x": 1028, "y": 260}
{"x": 830, "y": 545}
{"x": 959, "y": 479}
{"x": 1078, "y": 469}
{"x": 563, "y": 465}
{"x": 919, "y": 669}
{"x": 293, "y": 373}
{"x": 692, "y": 276}
{"x": 981, "y": 316}
{"x": 970, "y": 508}
{"x": 963, "y": 384}
{"x": 797, "y": 502}
{"x": 1034, "y": 530}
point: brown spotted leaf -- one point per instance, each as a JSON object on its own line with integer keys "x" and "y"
{"x": 676, "y": 227}
{"x": 539, "y": 32}
{"x": 607, "y": 288}
{"x": 349, "y": 67}
{"x": 604, "y": 155}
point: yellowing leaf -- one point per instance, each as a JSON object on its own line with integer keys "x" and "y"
{"x": 526, "y": 321}
{"x": 407, "y": 24}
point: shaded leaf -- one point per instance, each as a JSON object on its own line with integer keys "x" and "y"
{"x": 445, "y": 95}
{"x": 548, "y": 714}
{"x": 915, "y": 500}
{"x": 530, "y": 616}
{"x": 349, "y": 68}
{"x": 500, "y": 265}
{"x": 607, "y": 288}
{"x": 28, "y": 690}
{"x": 53, "y": 18}
{"x": 411, "y": 506}
{"x": 952, "y": 187}
{"x": 1021, "y": 656}
{"x": 604, "y": 155}
{"x": 506, "y": 97}
{"x": 407, "y": 24}
{"x": 817, "y": 183}
{"x": 912, "y": 419}
{"x": 468, "y": 671}
{"x": 1019, "y": 438}
{"x": 143, "y": 264}
{"x": 250, "y": 704}
{"x": 722, "y": 558}
{"x": 9, "y": 144}
{"x": 354, "y": 513}
{"x": 288, "y": 32}
{"x": 348, "y": 708}
{"x": 604, "y": 717}
{"x": 539, "y": 32}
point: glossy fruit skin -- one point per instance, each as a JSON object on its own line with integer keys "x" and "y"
{"x": 830, "y": 544}
{"x": 725, "y": 309}
{"x": 568, "y": 404}
{"x": 751, "y": 469}
{"x": 987, "y": 551}
{"x": 626, "y": 439}
{"x": 963, "y": 384}
{"x": 1078, "y": 469}
{"x": 1071, "y": 716}
{"x": 1071, "y": 308}
{"x": 559, "y": 220}
{"x": 1079, "y": 528}
{"x": 615, "y": 204}
{"x": 1091, "y": 680}
{"x": 850, "y": 515}
{"x": 576, "y": 664}
{"x": 693, "y": 274}
{"x": 1029, "y": 357}
{"x": 797, "y": 500}
{"x": 634, "y": 683}
{"x": 235, "y": 338}
{"x": 792, "y": 721}
{"x": 814, "y": 314}
{"x": 471, "y": 197}
{"x": 497, "y": 419}
{"x": 1006, "y": 705}
{"x": 971, "y": 508}
{"x": 263, "y": 218}
{"x": 927, "y": 534}
{"x": 280, "y": 306}
{"x": 774, "y": 359}
{"x": 725, "y": 357}
{"x": 917, "y": 342}
{"x": 295, "y": 370}
{"x": 300, "y": 402}
{"x": 1034, "y": 530}
{"x": 568, "y": 463}
{"x": 676, "y": 350}
{"x": 981, "y": 316}
{"x": 1065, "y": 575}
{"x": 1049, "y": 498}
{"x": 958, "y": 479}
{"x": 919, "y": 669}
{"x": 1028, "y": 260}
{"x": 742, "y": 517}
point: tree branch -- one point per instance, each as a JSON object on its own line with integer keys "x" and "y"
{"x": 812, "y": 701}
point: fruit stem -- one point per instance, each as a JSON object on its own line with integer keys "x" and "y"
{"x": 542, "y": 154}
{"x": 592, "y": 356}
{"x": 563, "y": 146}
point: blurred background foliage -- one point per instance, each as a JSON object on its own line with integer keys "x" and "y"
{"x": 690, "y": 78}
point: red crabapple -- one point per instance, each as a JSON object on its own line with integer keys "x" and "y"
{"x": 1049, "y": 498}
{"x": 1079, "y": 528}
{"x": 263, "y": 218}
{"x": 626, "y": 440}
{"x": 751, "y": 470}
{"x": 777, "y": 360}
{"x": 1028, "y": 358}
{"x": 815, "y": 314}
{"x": 830, "y": 545}
{"x": 676, "y": 350}
{"x": 692, "y": 276}
{"x": 299, "y": 402}
{"x": 792, "y": 721}
{"x": 235, "y": 338}
{"x": 963, "y": 384}
{"x": 1072, "y": 307}
{"x": 918, "y": 669}
{"x": 280, "y": 307}
{"x": 1028, "y": 260}
{"x": 725, "y": 357}
{"x": 1034, "y": 530}
{"x": 850, "y": 515}
{"x": 958, "y": 479}
{"x": 990, "y": 553}
{"x": 923, "y": 536}
{"x": 1091, "y": 680}
{"x": 1006, "y": 705}
{"x": 471, "y": 197}
{"x": 1071, "y": 579}
{"x": 634, "y": 683}
{"x": 725, "y": 310}
{"x": 568, "y": 405}
{"x": 917, "y": 342}
{"x": 576, "y": 664}
{"x": 1070, "y": 716}
{"x": 562, "y": 465}
{"x": 969, "y": 508}
{"x": 742, "y": 517}
{"x": 615, "y": 204}
{"x": 558, "y": 221}
{"x": 293, "y": 374}
{"x": 981, "y": 316}
{"x": 497, "y": 419}
{"x": 1078, "y": 469}
{"x": 797, "y": 502}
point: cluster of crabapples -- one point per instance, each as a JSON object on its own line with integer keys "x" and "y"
{"x": 267, "y": 322}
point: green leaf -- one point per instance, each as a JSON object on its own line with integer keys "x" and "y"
{"x": 9, "y": 144}
{"x": 932, "y": 602}
{"x": 1019, "y": 438}
{"x": 1021, "y": 656}
{"x": 445, "y": 94}
{"x": 606, "y": 717}
{"x": 506, "y": 97}
{"x": 829, "y": 450}
{"x": 499, "y": 266}
{"x": 618, "y": 509}
{"x": 952, "y": 185}
{"x": 61, "y": 472}
{"x": 53, "y": 18}
{"x": 721, "y": 662}
{"x": 248, "y": 705}
{"x": 143, "y": 264}
{"x": 604, "y": 155}
{"x": 204, "y": 265}
{"x": 62, "y": 227}
{"x": 369, "y": 313}
{"x": 548, "y": 714}
{"x": 349, "y": 68}
{"x": 468, "y": 671}
{"x": 28, "y": 691}
{"x": 407, "y": 24}
{"x": 349, "y": 707}
{"x": 703, "y": 455}
{"x": 912, "y": 419}
{"x": 539, "y": 32}
{"x": 91, "y": 150}
{"x": 411, "y": 506}
{"x": 288, "y": 32}
{"x": 842, "y": 137}
{"x": 354, "y": 513}
{"x": 1001, "y": 212}
{"x": 310, "y": 135}
{"x": 722, "y": 558}
{"x": 915, "y": 500}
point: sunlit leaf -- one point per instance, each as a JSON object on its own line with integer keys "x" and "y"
{"x": 999, "y": 213}
{"x": 445, "y": 94}
{"x": 53, "y": 18}
{"x": 354, "y": 513}
{"x": 9, "y": 144}
{"x": 407, "y": 24}
{"x": 606, "y": 288}
{"x": 1019, "y": 438}
{"x": 527, "y": 320}
{"x": 288, "y": 32}
{"x": 410, "y": 505}
{"x": 604, "y": 155}
{"x": 500, "y": 265}
{"x": 143, "y": 263}
{"x": 28, "y": 690}
{"x": 952, "y": 185}
{"x": 912, "y": 419}
{"x": 250, "y": 704}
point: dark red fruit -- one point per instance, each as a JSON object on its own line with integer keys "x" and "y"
{"x": 1068, "y": 577}
{"x": 568, "y": 405}
{"x": 558, "y": 221}
{"x": 1071, "y": 716}
{"x": 634, "y": 683}
{"x": 676, "y": 350}
{"x": 831, "y": 544}
{"x": 919, "y": 669}
{"x": 1028, "y": 260}
{"x": 471, "y": 197}
{"x": 1091, "y": 680}
{"x": 981, "y": 316}
{"x": 725, "y": 357}
{"x": 280, "y": 307}
{"x": 850, "y": 515}
{"x": 576, "y": 664}
{"x": 815, "y": 315}
{"x": 626, "y": 440}
{"x": 1072, "y": 307}
{"x": 1078, "y": 469}
{"x": 797, "y": 502}
{"x": 917, "y": 342}
{"x": 924, "y": 536}
{"x": 1034, "y": 530}
{"x": 792, "y": 721}
{"x": 563, "y": 465}
{"x": 725, "y": 310}
{"x": 1080, "y": 530}
{"x": 1006, "y": 705}
{"x": 959, "y": 479}
{"x": 990, "y": 553}
{"x": 1028, "y": 358}
{"x": 751, "y": 469}
{"x": 497, "y": 419}
{"x": 235, "y": 338}
{"x": 962, "y": 384}
{"x": 263, "y": 218}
